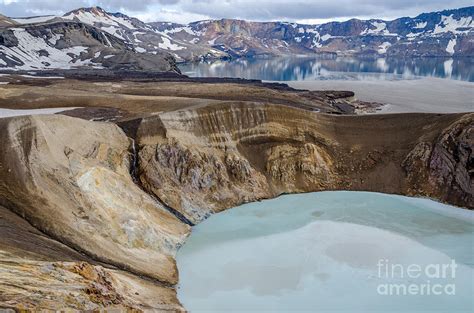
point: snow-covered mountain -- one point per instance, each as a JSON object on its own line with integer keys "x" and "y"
{"x": 95, "y": 38}
{"x": 447, "y": 33}
{"x": 75, "y": 41}
{"x": 146, "y": 38}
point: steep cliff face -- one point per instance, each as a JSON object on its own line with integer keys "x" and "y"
{"x": 444, "y": 169}
{"x": 205, "y": 160}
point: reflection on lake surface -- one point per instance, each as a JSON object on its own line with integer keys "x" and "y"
{"x": 324, "y": 68}
{"x": 321, "y": 251}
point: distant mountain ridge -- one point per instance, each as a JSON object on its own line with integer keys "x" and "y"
{"x": 97, "y": 38}
{"x": 446, "y": 33}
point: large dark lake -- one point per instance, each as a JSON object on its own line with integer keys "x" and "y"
{"x": 299, "y": 68}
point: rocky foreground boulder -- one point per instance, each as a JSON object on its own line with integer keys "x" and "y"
{"x": 91, "y": 215}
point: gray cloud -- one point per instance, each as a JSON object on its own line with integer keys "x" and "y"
{"x": 38, "y": 7}
{"x": 133, "y": 5}
{"x": 244, "y": 9}
{"x": 315, "y": 9}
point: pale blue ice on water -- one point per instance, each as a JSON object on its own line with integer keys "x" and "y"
{"x": 319, "y": 252}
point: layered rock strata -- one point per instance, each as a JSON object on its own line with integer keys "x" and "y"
{"x": 205, "y": 160}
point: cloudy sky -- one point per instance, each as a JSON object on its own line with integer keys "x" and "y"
{"x": 183, "y": 11}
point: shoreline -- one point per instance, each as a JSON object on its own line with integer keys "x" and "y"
{"x": 423, "y": 95}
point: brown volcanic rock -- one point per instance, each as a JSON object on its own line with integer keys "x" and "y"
{"x": 139, "y": 98}
{"x": 70, "y": 179}
{"x": 198, "y": 181}
{"x": 444, "y": 169}
{"x": 215, "y": 158}
{"x": 208, "y": 159}
{"x": 39, "y": 273}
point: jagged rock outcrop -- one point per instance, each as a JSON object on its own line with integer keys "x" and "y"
{"x": 444, "y": 169}
{"x": 198, "y": 181}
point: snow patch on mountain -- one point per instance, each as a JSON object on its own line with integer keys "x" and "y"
{"x": 421, "y": 25}
{"x": 98, "y": 17}
{"x": 168, "y": 45}
{"x": 450, "y": 46}
{"x": 380, "y": 28}
{"x": 34, "y": 20}
{"x": 326, "y": 37}
{"x": 455, "y": 26}
{"x": 383, "y": 47}
{"x": 122, "y": 21}
{"x": 113, "y": 31}
{"x": 186, "y": 29}
{"x": 38, "y": 53}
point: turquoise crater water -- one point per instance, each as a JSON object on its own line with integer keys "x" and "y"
{"x": 327, "y": 251}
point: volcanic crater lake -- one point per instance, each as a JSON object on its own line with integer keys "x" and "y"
{"x": 326, "y": 251}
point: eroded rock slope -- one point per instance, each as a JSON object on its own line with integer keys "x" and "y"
{"x": 70, "y": 179}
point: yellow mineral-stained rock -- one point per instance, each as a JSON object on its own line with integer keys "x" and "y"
{"x": 70, "y": 178}
{"x": 41, "y": 274}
